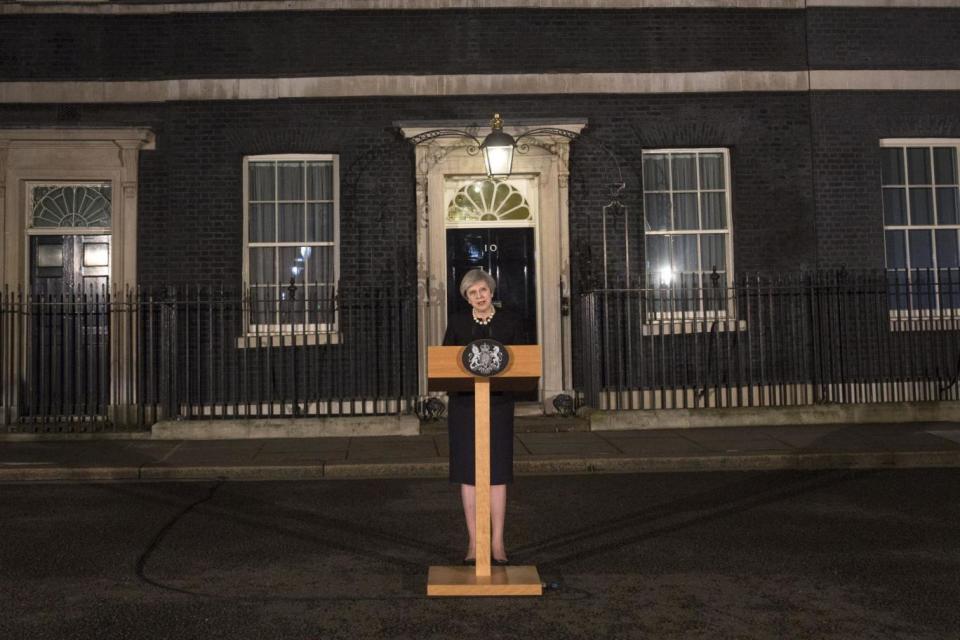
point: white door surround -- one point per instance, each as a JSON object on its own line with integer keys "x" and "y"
{"x": 75, "y": 155}
{"x": 547, "y": 161}
{"x": 72, "y": 155}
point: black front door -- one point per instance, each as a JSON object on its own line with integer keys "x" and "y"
{"x": 69, "y": 349}
{"x": 69, "y": 264}
{"x": 505, "y": 253}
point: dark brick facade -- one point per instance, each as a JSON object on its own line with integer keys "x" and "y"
{"x": 191, "y": 186}
{"x": 884, "y": 39}
{"x": 50, "y": 47}
{"x": 805, "y": 178}
{"x": 848, "y": 128}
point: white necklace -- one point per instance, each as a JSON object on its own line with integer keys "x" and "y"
{"x": 483, "y": 321}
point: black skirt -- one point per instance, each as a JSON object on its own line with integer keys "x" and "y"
{"x": 460, "y": 423}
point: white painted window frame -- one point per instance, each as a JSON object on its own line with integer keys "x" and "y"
{"x": 694, "y": 321}
{"x": 288, "y": 333}
{"x": 920, "y": 319}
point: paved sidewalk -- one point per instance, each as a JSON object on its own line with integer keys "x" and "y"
{"x": 709, "y": 449}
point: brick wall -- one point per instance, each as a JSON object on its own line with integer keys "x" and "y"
{"x": 191, "y": 186}
{"x": 884, "y": 39}
{"x": 848, "y": 128}
{"x": 78, "y": 47}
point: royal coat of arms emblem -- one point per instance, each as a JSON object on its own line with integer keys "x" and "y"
{"x": 485, "y": 357}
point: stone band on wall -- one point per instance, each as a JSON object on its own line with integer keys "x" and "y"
{"x": 111, "y": 8}
{"x": 454, "y": 85}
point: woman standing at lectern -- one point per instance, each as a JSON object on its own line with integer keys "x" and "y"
{"x": 482, "y": 321}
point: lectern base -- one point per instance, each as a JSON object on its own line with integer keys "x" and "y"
{"x": 503, "y": 581}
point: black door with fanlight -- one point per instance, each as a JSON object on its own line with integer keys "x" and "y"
{"x": 69, "y": 348}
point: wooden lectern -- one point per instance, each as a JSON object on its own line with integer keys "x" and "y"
{"x": 447, "y": 373}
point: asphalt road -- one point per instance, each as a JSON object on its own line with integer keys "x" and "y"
{"x": 821, "y": 555}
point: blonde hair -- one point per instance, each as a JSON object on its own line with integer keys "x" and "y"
{"x": 475, "y": 276}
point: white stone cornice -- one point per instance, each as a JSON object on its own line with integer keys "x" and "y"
{"x": 885, "y": 80}
{"x": 154, "y": 91}
{"x": 105, "y": 7}
{"x": 885, "y": 4}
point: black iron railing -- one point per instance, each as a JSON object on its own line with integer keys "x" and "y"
{"x": 770, "y": 341}
{"x": 106, "y": 360}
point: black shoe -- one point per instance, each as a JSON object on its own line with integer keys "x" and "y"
{"x": 469, "y": 562}
{"x": 500, "y": 563}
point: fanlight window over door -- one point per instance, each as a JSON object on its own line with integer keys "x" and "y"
{"x": 70, "y": 206}
{"x": 488, "y": 200}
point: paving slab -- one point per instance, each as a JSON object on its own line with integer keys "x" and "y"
{"x": 801, "y": 436}
{"x": 382, "y": 449}
{"x": 659, "y": 446}
{"x": 754, "y": 442}
{"x": 563, "y": 445}
{"x": 282, "y": 445}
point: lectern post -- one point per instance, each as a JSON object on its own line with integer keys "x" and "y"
{"x": 481, "y": 456}
{"x": 447, "y": 373}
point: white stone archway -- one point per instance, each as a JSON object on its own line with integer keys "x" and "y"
{"x": 547, "y": 161}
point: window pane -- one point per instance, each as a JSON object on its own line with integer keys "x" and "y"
{"x": 921, "y": 206}
{"x": 896, "y": 242}
{"x": 291, "y": 222}
{"x": 713, "y": 252}
{"x": 320, "y": 222}
{"x": 685, "y": 253}
{"x": 321, "y": 265}
{"x": 264, "y": 305}
{"x": 263, "y": 224}
{"x": 684, "y": 171}
{"x": 923, "y": 285}
{"x": 656, "y": 256}
{"x": 685, "y": 211}
{"x": 918, "y": 165}
{"x": 949, "y": 286}
{"x": 897, "y": 289}
{"x": 921, "y": 250}
{"x": 895, "y": 206}
{"x": 891, "y": 163}
{"x": 262, "y": 263}
{"x": 655, "y": 172}
{"x": 261, "y": 181}
{"x": 686, "y": 292}
{"x": 319, "y": 181}
{"x": 290, "y": 179}
{"x": 714, "y": 210}
{"x": 292, "y": 307}
{"x": 292, "y": 265}
{"x": 657, "y": 211}
{"x": 948, "y": 205}
{"x": 715, "y": 292}
{"x": 947, "y": 255}
{"x": 945, "y": 165}
{"x": 711, "y": 171}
